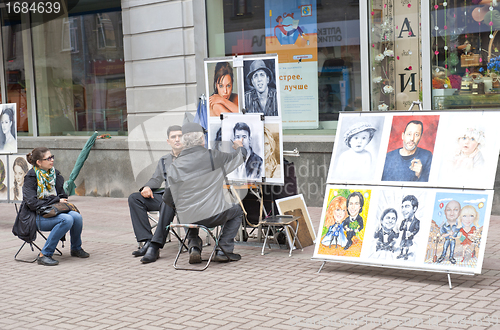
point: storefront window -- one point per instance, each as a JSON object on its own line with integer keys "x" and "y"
{"x": 395, "y": 57}
{"x": 15, "y": 61}
{"x": 316, "y": 40}
{"x": 465, "y": 54}
{"x": 79, "y": 74}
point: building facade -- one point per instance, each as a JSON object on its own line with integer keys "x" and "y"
{"x": 131, "y": 68}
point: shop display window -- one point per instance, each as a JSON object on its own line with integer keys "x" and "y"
{"x": 324, "y": 50}
{"x": 465, "y": 54}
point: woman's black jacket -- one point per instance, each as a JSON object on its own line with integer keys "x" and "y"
{"x": 25, "y": 224}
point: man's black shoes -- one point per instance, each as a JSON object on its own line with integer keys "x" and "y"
{"x": 194, "y": 255}
{"x": 79, "y": 253}
{"x": 151, "y": 255}
{"x": 142, "y": 251}
{"x": 221, "y": 257}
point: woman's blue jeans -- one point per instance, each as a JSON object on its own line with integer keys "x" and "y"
{"x": 58, "y": 226}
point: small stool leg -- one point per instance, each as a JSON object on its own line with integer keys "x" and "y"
{"x": 265, "y": 241}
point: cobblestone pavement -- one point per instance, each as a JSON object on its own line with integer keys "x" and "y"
{"x": 113, "y": 290}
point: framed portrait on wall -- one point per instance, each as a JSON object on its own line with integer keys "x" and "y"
{"x": 18, "y": 167}
{"x": 8, "y": 132}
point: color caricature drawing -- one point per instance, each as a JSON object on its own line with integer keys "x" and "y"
{"x": 342, "y": 231}
{"x": 356, "y": 162}
{"x": 456, "y": 229}
{"x": 335, "y": 216}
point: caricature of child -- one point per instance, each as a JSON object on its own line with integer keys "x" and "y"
{"x": 469, "y": 220}
{"x": 468, "y": 156}
{"x": 335, "y": 215}
{"x": 356, "y": 162}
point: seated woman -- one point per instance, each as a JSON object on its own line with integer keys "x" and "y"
{"x": 43, "y": 185}
{"x": 223, "y": 99}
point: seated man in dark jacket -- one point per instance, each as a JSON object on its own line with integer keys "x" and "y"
{"x": 196, "y": 182}
{"x": 149, "y": 198}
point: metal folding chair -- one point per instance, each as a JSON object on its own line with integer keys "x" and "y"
{"x": 34, "y": 244}
{"x": 283, "y": 221}
{"x": 182, "y": 243}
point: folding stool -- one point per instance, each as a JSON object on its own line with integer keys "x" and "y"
{"x": 182, "y": 244}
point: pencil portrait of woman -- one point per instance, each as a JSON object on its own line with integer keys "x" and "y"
{"x": 8, "y": 131}
{"x": 20, "y": 168}
{"x": 223, "y": 99}
{"x": 3, "y": 176}
{"x": 271, "y": 150}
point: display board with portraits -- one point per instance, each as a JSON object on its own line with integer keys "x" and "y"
{"x": 452, "y": 149}
{"x": 410, "y": 190}
{"x": 244, "y": 91}
{"x": 436, "y": 229}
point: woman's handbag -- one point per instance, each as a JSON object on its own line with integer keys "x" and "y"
{"x": 52, "y": 210}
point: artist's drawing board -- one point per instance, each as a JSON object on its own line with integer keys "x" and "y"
{"x": 296, "y": 206}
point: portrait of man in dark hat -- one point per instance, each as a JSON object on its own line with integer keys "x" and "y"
{"x": 260, "y": 91}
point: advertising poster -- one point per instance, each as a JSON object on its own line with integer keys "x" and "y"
{"x": 291, "y": 32}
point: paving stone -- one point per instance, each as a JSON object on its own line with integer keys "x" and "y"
{"x": 113, "y": 290}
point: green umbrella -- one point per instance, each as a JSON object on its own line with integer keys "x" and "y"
{"x": 69, "y": 185}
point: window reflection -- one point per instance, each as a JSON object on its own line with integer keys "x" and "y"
{"x": 14, "y": 69}
{"x": 337, "y": 28}
{"x": 80, "y": 76}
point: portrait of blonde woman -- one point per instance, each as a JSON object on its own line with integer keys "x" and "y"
{"x": 271, "y": 153}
